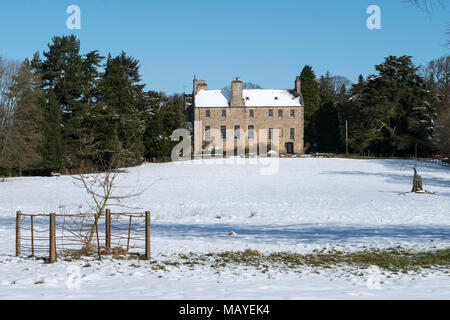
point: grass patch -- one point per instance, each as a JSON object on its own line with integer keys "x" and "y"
{"x": 395, "y": 259}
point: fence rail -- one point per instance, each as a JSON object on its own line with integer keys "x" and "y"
{"x": 442, "y": 162}
{"x": 438, "y": 159}
{"x": 52, "y": 234}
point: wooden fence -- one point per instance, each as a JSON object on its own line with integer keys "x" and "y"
{"x": 442, "y": 162}
{"x": 51, "y": 234}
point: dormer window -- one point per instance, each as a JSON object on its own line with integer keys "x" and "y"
{"x": 276, "y": 98}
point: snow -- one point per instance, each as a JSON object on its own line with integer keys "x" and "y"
{"x": 252, "y": 98}
{"x": 208, "y": 206}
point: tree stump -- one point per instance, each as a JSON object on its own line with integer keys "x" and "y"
{"x": 417, "y": 182}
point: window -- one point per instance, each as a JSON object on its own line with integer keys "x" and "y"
{"x": 224, "y": 113}
{"x": 207, "y": 114}
{"x": 223, "y": 132}
{"x": 251, "y": 113}
{"x": 280, "y": 113}
{"x": 251, "y": 132}
{"x": 270, "y": 133}
{"x": 292, "y": 113}
{"x": 270, "y": 113}
{"x": 237, "y": 132}
{"x": 292, "y": 133}
{"x": 207, "y": 133}
{"x": 247, "y": 98}
{"x": 276, "y": 98}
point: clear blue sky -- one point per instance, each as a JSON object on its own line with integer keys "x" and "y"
{"x": 265, "y": 42}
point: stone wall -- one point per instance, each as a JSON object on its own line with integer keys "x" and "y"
{"x": 239, "y": 116}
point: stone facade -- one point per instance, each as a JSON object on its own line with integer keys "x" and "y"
{"x": 271, "y": 123}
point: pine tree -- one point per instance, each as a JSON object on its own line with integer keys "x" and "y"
{"x": 327, "y": 122}
{"x": 84, "y": 146}
{"x": 397, "y": 112}
{"x": 163, "y": 116}
{"x": 117, "y": 118}
{"x": 62, "y": 84}
{"x": 311, "y": 99}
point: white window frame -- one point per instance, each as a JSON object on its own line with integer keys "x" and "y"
{"x": 237, "y": 132}
{"x": 207, "y": 133}
{"x": 290, "y": 113}
{"x": 223, "y": 132}
{"x": 251, "y": 132}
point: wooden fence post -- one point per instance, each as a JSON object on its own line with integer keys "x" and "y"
{"x": 108, "y": 229}
{"x": 129, "y": 233}
{"x": 52, "y": 237}
{"x": 18, "y": 220}
{"x": 147, "y": 235}
{"x": 32, "y": 235}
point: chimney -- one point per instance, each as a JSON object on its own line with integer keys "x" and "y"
{"x": 202, "y": 85}
{"x": 194, "y": 90}
{"x": 237, "y": 98}
{"x": 199, "y": 85}
{"x": 298, "y": 85}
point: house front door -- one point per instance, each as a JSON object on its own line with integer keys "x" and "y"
{"x": 289, "y": 148}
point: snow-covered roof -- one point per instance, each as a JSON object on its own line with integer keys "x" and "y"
{"x": 252, "y": 98}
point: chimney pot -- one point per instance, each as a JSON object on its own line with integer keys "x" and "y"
{"x": 237, "y": 98}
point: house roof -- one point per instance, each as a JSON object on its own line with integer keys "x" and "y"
{"x": 252, "y": 98}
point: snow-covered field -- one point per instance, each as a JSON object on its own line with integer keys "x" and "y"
{"x": 307, "y": 204}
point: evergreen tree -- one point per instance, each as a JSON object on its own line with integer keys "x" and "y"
{"x": 117, "y": 118}
{"x": 62, "y": 84}
{"x": 344, "y": 113}
{"x": 396, "y": 110}
{"x": 163, "y": 116}
{"x": 84, "y": 145}
{"x": 52, "y": 149}
{"x": 311, "y": 99}
{"x": 326, "y": 119}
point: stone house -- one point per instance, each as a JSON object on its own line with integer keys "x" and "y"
{"x": 230, "y": 118}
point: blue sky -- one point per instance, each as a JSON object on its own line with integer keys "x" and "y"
{"x": 265, "y": 42}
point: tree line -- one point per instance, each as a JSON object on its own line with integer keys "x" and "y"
{"x": 403, "y": 110}
{"x": 64, "y": 110}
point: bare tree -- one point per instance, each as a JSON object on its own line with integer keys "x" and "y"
{"x": 338, "y": 81}
{"x": 8, "y": 70}
{"x": 448, "y": 36}
{"x": 427, "y": 5}
{"x": 103, "y": 190}
{"x": 437, "y": 72}
{"x": 20, "y": 116}
{"x": 443, "y": 133}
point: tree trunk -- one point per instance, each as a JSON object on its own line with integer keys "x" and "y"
{"x": 417, "y": 182}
